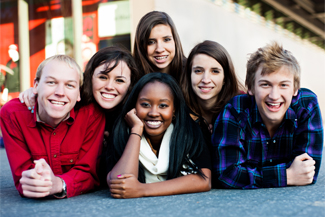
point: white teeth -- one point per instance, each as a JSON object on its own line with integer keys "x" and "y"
{"x": 108, "y": 96}
{"x": 160, "y": 58}
{"x": 205, "y": 88}
{"x": 274, "y": 104}
{"x": 57, "y": 103}
{"x": 155, "y": 123}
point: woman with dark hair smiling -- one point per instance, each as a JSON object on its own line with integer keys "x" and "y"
{"x": 158, "y": 148}
{"x": 157, "y": 46}
{"x": 209, "y": 81}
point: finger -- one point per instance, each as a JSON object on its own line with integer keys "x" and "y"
{"x": 124, "y": 176}
{"x": 31, "y": 174}
{"x": 116, "y": 196}
{"x": 309, "y": 163}
{"x": 106, "y": 133}
{"x": 35, "y": 194}
{"x": 44, "y": 164}
{"x": 39, "y": 189}
{"x": 21, "y": 97}
{"x": 35, "y": 182}
{"x": 303, "y": 157}
{"x": 116, "y": 181}
{"x": 38, "y": 167}
{"x": 117, "y": 191}
{"x": 116, "y": 187}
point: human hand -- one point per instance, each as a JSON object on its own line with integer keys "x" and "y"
{"x": 134, "y": 122}
{"x": 28, "y": 97}
{"x": 301, "y": 171}
{"x": 40, "y": 181}
{"x": 126, "y": 186}
{"x": 36, "y": 182}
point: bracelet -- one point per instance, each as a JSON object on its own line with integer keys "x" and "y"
{"x": 136, "y": 134}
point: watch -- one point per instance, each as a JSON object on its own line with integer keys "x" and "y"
{"x": 63, "y": 194}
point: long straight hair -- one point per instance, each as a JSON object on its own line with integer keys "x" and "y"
{"x": 231, "y": 87}
{"x": 186, "y": 138}
{"x": 146, "y": 24}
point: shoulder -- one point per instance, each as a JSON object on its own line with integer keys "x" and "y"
{"x": 14, "y": 106}
{"x": 89, "y": 113}
{"x": 240, "y": 103}
{"x": 305, "y": 99}
{"x": 90, "y": 109}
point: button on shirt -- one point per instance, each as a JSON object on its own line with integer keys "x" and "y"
{"x": 71, "y": 149}
{"x": 244, "y": 155}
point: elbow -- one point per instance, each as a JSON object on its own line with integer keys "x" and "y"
{"x": 206, "y": 183}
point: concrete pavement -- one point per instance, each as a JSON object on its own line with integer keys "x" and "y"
{"x": 291, "y": 201}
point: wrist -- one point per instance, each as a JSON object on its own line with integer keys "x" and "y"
{"x": 137, "y": 130}
{"x": 288, "y": 174}
{"x": 60, "y": 188}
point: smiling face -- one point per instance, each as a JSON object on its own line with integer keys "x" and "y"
{"x": 155, "y": 108}
{"x": 207, "y": 78}
{"x": 58, "y": 91}
{"x": 273, "y": 94}
{"x": 109, "y": 89}
{"x": 161, "y": 47}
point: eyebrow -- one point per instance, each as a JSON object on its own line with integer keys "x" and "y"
{"x": 47, "y": 77}
{"x": 201, "y": 67}
{"x": 167, "y": 36}
{"x": 161, "y": 100}
{"x": 279, "y": 82}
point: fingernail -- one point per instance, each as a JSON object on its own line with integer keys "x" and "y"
{"x": 29, "y": 108}
{"x": 33, "y": 107}
{"x": 32, "y": 111}
{"x": 118, "y": 176}
{"x": 22, "y": 101}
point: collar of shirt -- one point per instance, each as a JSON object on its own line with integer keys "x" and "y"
{"x": 69, "y": 118}
{"x": 290, "y": 116}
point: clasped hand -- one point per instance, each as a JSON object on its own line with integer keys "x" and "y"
{"x": 39, "y": 181}
{"x": 126, "y": 186}
{"x": 301, "y": 171}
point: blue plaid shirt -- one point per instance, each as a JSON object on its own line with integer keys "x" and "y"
{"x": 244, "y": 155}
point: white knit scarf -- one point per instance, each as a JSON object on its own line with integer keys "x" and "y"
{"x": 155, "y": 169}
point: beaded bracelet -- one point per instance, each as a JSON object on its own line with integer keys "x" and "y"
{"x": 136, "y": 134}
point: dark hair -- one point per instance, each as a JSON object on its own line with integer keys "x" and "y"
{"x": 231, "y": 86}
{"x": 186, "y": 138}
{"x": 107, "y": 56}
{"x": 146, "y": 24}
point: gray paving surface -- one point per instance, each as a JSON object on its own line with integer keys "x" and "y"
{"x": 304, "y": 201}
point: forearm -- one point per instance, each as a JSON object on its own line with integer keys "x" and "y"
{"x": 181, "y": 185}
{"x": 129, "y": 161}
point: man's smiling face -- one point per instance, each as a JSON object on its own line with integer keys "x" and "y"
{"x": 58, "y": 91}
{"x": 273, "y": 94}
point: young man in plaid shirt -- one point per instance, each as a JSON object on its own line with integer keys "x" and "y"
{"x": 272, "y": 136}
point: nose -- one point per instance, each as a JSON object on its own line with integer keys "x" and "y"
{"x": 59, "y": 90}
{"x": 160, "y": 47}
{"x": 274, "y": 94}
{"x": 206, "y": 77}
{"x": 153, "y": 112}
{"x": 109, "y": 84}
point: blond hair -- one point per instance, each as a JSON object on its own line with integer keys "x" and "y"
{"x": 271, "y": 58}
{"x": 63, "y": 58}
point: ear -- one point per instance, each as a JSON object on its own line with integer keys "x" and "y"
{"x": 250, "y": 92}
{"x": 295, "y": 93}
{"x": 35, "y": 83}
{"x": 79, "y": 98}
